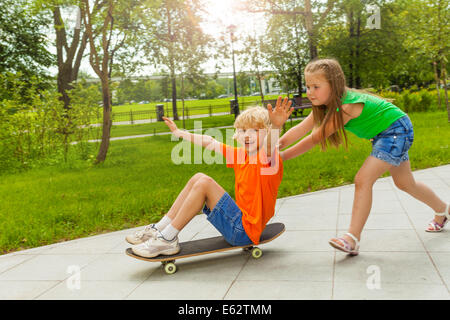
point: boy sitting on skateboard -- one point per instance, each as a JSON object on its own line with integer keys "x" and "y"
{"x": 258, "y": 172}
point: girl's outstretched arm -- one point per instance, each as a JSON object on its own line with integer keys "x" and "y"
{"x": 297, "y": 132}
{"x": 298, "y": 149}
{"x": 205, "y": 141}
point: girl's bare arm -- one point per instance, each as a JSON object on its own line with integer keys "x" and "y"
{"x": 296, "y": 133}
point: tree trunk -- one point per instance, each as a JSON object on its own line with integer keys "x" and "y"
{"x": 444, "y": 77}
{"x": 100, "y": 66}
{"x": 174, "y": 94}
{"x": 172, "y": 66}
{"x": 67, "y": 68}
{"x": 357, "y": 60}
{"x": 438, "y": 82}
{"x": 309, "y": 25}
{"x": 351, "y": 35}
{"x": 182, "y": 99}
{"x": 107, "y": 122}
{"x": 261, "y": 91}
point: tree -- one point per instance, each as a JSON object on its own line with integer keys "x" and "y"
{"x": 311, "y": 21}
{"x": 253, "y": 57}
{"x": 286, "y": 50}
{"x": 174, "y": 38}
{"x": 427, "y": 32}
{"x": 23, "y": 42}
{"x": 112, "y": 20}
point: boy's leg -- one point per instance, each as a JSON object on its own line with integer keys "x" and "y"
{"x": 404, "y": 180}
{"x": 205, "y": 189}
{"x": 183, "y": 195}
{"x": 370, "y": 171}
{"x": 151, "y": 230}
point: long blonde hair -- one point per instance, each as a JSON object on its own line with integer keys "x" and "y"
{"x": 323, "y": 114}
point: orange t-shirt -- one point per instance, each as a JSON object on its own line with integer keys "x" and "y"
{"x": 256, "y": 186}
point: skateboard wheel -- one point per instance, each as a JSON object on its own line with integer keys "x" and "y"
{"x": 170, "y": 268}
{"x": 256, "y": 253}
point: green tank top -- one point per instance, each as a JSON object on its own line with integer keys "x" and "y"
{"x": 376, "y": 116}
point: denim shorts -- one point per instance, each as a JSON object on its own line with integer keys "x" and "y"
{"x": 226, "y": 217}
{"x": 392, "y": 144}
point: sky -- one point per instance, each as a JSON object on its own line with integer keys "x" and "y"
{"x": 219, "y": 14}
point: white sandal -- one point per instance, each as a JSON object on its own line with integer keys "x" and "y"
{"x": 347, "y": 246}
{"x": 437, "y": 227}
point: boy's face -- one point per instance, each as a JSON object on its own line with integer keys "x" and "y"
{"x": 318, "y": 89}
{"x": 251, "y": 139}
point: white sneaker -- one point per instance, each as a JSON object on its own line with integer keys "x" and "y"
{"x": 142, "y": 235}
{"x": 156, "y": 246}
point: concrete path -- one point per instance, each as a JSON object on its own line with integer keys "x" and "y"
{"x": 398, "y": 259}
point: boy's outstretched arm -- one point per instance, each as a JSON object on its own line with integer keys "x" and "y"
{"x": 205, "y": 141}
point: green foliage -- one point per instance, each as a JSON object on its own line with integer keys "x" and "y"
{"x": 22, "y": 42}
{"x": 35, "y": 128}
{"x": 414, "y": 101}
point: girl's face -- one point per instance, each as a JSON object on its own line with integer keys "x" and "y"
{"x": 251, "y": 139}
{"x": 318, "y": 89}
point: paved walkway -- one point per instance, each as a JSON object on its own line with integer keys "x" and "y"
{"x": 398, "y": 259}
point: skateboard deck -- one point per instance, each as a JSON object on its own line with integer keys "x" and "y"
{"x": 211, "y": 245}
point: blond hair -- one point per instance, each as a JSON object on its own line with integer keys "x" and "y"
{"x": 255, "y": 117}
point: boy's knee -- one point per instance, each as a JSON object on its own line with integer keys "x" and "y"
{"x": 203, "y": 182}
{"x": 198, "y": 176}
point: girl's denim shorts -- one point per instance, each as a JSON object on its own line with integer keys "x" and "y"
{"x": 226, "y": 217}
{"x": 392, "y": 144}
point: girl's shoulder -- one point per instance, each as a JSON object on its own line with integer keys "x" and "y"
{"x": 352, "y": 110}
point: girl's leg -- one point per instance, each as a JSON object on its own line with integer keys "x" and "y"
{"x": 370, "y": 171}
{"x": 205, "y": 189}
{"x": 404, "y": 180}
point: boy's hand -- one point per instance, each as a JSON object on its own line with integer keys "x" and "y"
{"x": 281, "y": 113}
{"x": 172, "y": 126}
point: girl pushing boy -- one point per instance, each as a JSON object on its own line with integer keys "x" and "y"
{"x": 258, "y": 172}
{"x": 335, "y": 108}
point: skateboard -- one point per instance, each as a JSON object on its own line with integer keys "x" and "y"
{"x": 211, "y": 245}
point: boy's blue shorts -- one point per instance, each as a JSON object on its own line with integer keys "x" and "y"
{"x": 392, "y": 144}
{"x": 226, "y": 217}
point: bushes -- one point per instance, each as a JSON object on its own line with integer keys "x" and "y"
{"x": 34, "y": 125}
{"x": 418, "y": 101}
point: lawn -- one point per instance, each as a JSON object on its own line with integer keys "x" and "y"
{"x": 157, "y": 127}
{"x": 193, "y": 103}
{"x": 138, "y": 183}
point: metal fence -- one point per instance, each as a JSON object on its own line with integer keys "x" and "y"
{"x": 188, "y": 112}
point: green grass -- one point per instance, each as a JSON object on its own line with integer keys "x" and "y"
{"x": 138, "y": 183}
{"x": 157, "y": 127}
{"x": 193, "y": 103}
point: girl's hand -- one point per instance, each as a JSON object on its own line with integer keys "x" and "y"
{"x": 172, "y": 126}
{"x": 281, "y": 113}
